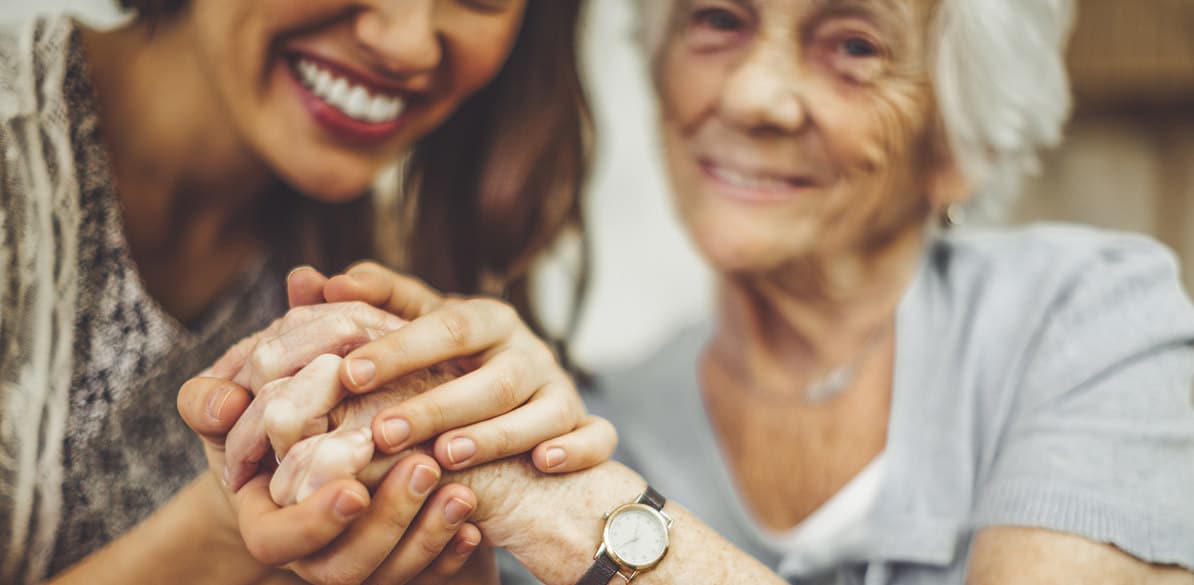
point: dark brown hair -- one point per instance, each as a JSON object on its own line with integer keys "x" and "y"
{"x": 490, "y": 189}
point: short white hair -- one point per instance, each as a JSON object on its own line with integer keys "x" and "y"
{"x": 1000, "y": 81}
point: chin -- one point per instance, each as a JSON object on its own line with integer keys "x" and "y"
{"x": 738, "y": 253}
{"x": 330, "y": 180}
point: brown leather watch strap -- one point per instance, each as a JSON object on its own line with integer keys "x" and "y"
{"x": 653, "y": 498}
{"x": 600, "y": 573}
{"x": 604, "y": 568}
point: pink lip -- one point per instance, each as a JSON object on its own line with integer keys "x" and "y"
{"x": 339, "y": 124}
{"x": 791, "y": 191}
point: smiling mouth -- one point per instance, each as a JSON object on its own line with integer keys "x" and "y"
{"x": 756, "y": 185}
{"x": 354, "y": 100}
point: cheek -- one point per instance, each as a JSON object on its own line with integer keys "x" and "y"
{"x": 689, "y": 86}
{"x": 874, "y": 134}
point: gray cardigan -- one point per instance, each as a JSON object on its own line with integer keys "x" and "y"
{"x": 1042, "y": 378}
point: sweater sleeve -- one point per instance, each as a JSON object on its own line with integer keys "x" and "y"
{"x": 1101, "y": 438}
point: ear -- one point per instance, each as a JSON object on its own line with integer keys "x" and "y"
{"x": 947, "y": 182}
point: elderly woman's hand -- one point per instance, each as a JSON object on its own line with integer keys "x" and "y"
{"x": 335, "y": 530}
{"x": 513, "y": 396}
{"x": 405, "y": 532}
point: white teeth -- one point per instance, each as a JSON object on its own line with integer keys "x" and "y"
{"x": 357, "y": 104}
{"x": 338, "y": 95}
{"x": 748, "y": 181}
{"x": 379, "y": 109}
{"x": 323, "y": 83}
{"x": 354, "y": 101}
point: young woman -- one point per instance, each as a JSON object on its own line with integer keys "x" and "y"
{"x": 159, "y": 179}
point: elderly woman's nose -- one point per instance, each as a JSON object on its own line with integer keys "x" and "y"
{"x": 401, "y": 36}
{"x": 762, "y": 93}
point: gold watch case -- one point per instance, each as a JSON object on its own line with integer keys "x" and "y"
{"x": 606, "y": 547}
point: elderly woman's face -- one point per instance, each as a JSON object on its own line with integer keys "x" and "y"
{"x": 797, "y": 126}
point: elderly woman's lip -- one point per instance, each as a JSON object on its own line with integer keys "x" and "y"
{"x": 770, "y": 184}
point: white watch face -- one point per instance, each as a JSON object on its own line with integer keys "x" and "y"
{"x": 637, "y": 536}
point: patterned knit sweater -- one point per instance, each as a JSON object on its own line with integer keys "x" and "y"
{"x": 90, "y": 365}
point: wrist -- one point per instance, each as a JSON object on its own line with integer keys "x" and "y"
{"x": 553, "y": 524}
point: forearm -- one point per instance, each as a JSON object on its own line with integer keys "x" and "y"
{"x": 186, "y": 541}
{"x": 555, "y": 529}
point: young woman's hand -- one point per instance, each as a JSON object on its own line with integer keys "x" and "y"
{"x": 513, "y": 396}
{"x": 405, "y": 532}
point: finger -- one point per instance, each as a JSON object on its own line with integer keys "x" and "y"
{"x": 234, "y": 359}
{"x": 501, "y": 385}
{"x": 371, "y": 539}
{"x": 430, "y": 537}
{"x": 304, "y": 286}
{"x": 452, "y": 560}
{"x": 212, "y": 406}
{"x": 331, "y": 329}
{"x": 402, "y": 295}
{"x": 451, "y": 331}
{"x": 592, "y": 443}
{"x": 289, "y": 403}
{"x": 321, "y": 460}
{"x": 288, "y": 412}
{"x": 549, "y": 414}
{"x": 276, "y": 536}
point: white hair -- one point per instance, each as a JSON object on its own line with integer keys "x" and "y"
{"x": 1000, "y": 81}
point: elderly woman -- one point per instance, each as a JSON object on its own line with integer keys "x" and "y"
{"x": 876, "y": 396}
{"x": 877, "y": 399}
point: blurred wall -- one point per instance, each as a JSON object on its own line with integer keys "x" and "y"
{"x": 1128, "y": 161}
{"x": 1128, "y": 164}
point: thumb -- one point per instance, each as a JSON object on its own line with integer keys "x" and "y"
{"x": 211, "y": 406}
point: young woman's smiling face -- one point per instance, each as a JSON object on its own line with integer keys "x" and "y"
{"x": 797, "y": 126}
{"x": 327, "y": 92}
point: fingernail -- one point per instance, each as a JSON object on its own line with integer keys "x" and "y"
{"x": 464, "y": 547}
{"x": 215, "y": 404}
{"x": 422, "y": 480}
{"x": 349, "y": 505}
{"x": 394, "y": 432}
{"x": 461, "y": 449}
{"x": 555, "y": 456}
{"x": 456, "y": 511}
{"x": 297, "y": 269}
{"x": 227, "y": 479}
{"x": 361, "y": 372}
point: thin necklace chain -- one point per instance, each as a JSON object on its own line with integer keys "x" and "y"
{"x": 833, "y": 382}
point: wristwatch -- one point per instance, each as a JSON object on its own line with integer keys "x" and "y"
{"x": 635, "y": 539}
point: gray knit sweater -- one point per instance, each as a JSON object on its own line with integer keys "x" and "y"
{"x": 90, "y": 440}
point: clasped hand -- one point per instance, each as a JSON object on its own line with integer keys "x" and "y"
{"x": 368, "y": 389}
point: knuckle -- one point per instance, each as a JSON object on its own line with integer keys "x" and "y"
{"x": 431, "y": 411}
{"x": 261, "y": 550}
{"x": 564, "y": 416}
{"x": 365, "y": 266}
{"x": 263, "y": 360}
{"x": 343, "y": 329}
{"x": 506, "y": 383}
{"x": 540, "y": 352}
{"x": 502, "y": 440}
{"x": 431, "y": 543}
{"x": 298, "y": 315}
{"x": 457, "y": 328}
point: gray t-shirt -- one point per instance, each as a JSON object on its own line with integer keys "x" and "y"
{"x": 1043, "y": 378}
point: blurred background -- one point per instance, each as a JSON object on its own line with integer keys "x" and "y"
{"x": 1128, "y": 162}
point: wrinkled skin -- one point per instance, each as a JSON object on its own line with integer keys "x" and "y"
{"x": 340, "y": 444}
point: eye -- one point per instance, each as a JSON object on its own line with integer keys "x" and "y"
{"x": 718, "y": 19}
{"x": 859, "y": 48}
{"x": 852, "y": 50}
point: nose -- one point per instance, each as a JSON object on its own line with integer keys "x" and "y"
{"x": 402, "y": 38}
{"x": 763, "y": 93}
